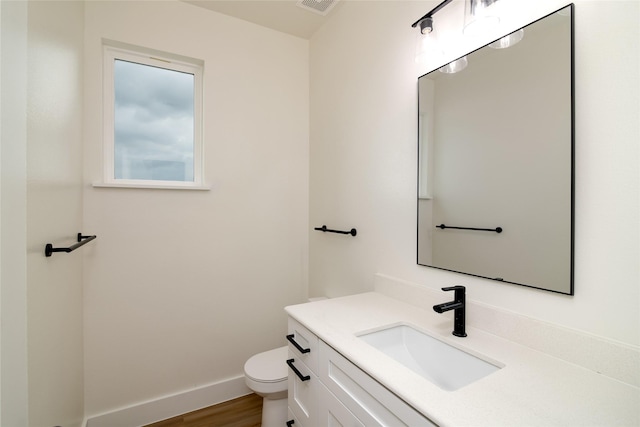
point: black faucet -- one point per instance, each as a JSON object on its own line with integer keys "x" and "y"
{"x": 458, "y": 304}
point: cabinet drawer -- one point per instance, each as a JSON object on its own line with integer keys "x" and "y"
{"x": 302, "y": 387}
{"x": 367, "y": 399}
{"x": 303, "y": 345}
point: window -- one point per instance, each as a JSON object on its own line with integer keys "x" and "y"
{"x": 152, "y": 119}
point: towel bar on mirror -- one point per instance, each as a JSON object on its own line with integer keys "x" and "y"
{"x": 497, "y": 229}
{"x": 324, "y": 229}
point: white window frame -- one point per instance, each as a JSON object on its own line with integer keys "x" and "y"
{"x": 119, "y": 51}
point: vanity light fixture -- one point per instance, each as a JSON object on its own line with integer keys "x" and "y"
{"x": 427, "y": 43}
{"x": 478, "y": 17}
{"x": 508, "y": 40}
{"x": 426, "y": 22}
{"x": 427, "y": 46}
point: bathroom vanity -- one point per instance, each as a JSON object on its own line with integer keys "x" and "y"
{"x": 346, "y": 379}
{"x": 325, "y": 388}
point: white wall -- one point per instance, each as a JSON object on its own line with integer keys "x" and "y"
{"x": 182, "y": 287}
{"x": 13, "y": 214}
{"x": 54, "y": 212}
{"x": 42, "y": 355}
{"x": 363, "y": 159}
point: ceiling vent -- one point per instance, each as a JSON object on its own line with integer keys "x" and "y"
{"x": 321, "y": 7}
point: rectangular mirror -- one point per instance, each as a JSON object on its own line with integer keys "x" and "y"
{"x": 496, "y": 161}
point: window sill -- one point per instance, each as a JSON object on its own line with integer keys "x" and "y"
{"x": 151, "y": 186}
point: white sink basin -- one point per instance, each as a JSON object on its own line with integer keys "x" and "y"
{"x": 444, "y": 365}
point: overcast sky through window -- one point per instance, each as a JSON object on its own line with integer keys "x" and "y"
{"x": 154, "y": 123}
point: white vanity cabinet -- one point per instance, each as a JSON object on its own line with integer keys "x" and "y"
{"x": 329, "y": 390}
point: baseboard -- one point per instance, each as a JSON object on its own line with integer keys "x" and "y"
{"x": 171, "y": 406}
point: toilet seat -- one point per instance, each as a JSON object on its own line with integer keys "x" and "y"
{"x": 268, "y": 367}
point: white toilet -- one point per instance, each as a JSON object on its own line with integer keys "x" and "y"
{"x": 266, "y": 374}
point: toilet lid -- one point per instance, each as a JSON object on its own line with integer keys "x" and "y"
{"x": 268, "y": 367}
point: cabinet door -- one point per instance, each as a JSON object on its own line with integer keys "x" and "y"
{"x": 292, "y": 421}
{"x": 332, "y": 413}
{"x": 372, "y": 403}
{"x": 302, "y": 390}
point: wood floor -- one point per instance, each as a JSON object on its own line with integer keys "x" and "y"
{"x": 244, "y": 411}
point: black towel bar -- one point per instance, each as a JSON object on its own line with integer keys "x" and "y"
{"x": 496, "y": 230}
{"x": 324, "y": 229}
{"x": 82, "y": 240}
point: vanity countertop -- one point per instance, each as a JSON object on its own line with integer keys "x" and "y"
{"x": 532, "y": 389}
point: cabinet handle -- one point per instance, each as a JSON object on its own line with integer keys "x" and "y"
{"x": 298, "y": 373}
{"x": 290, "y": 423}
{"x": 296, "y": 345}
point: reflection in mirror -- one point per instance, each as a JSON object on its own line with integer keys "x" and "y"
{"x": 496, "y": 150}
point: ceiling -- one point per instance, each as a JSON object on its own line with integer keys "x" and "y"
{"x": 280, "y": 15}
